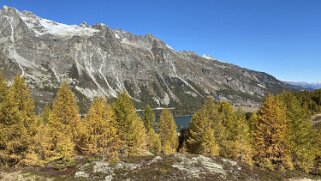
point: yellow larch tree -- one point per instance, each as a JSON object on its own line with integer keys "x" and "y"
{"x": 201, "y": 138}
{"x": 18, "y": 124}
{"x": 131, "y": 128}
{"x": 168, "y": 132}
{"x": 63, "y": 126}
{"x": 101, "y": 132}
{"x": 270, "y": 130}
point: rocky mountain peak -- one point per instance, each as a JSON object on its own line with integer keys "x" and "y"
{"x": 6, "y": 8}
{"x": 84, "y": 25}
{"x": 100, "y": 61}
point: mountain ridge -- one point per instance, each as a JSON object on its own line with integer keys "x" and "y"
{"x": 100, "y": 61}
{"x": 305, "y": 85}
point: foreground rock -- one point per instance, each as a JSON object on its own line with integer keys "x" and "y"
{"x": 178, "y": 167}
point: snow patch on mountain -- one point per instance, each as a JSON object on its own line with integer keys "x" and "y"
{"x": 208, "y": 57}
{"x": 5, "y": 7}
{"x": 169, "y": 47}
{"x": 42, "y": 26}
{"x": 166, "y": 100}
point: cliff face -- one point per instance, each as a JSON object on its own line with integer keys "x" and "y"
{"x": 99, "y": 61}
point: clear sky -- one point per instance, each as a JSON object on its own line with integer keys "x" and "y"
{"x": 280, "y": 37}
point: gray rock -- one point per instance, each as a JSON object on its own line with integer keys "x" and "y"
{"x": 99, "y": 61}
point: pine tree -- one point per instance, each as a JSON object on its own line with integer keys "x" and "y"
{"x": 17, "y": 124}
{"x": 168, "y": 133}
{"x": 301, "y": 136}
{"x": 132, "y": 131}
{"x": 201, "y": 138}
{"x": 102, "y": 135}
{"x": 270, "y": 128}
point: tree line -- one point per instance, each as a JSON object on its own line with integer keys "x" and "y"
{"x": 279, "y": 136}
{"x": 59, "y": 134}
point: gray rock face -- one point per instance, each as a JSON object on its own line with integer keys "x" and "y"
{"x": 99, "y": 61}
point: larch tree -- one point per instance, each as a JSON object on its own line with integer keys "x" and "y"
{"x": 301, "y": 136}
{"x": 210, "y": 109}
{"x": 153, "y": 142}
{"x": 17, "y": 125}
{"x": 270, "y": 131}
{"x": 101, "y": 132}
{"x": 227, "y": 117}
{"x": 45, "y": 114}
{"x": 201, "y": 138}
{"x": 65, "y": 110}
{"x": 168, "y": 132}
{"x": 237, "y": 138}
{"x": 242, "y": 141}
{"x": 63, "y": 126}
{"x": 3, "y": 89}
{"x": 132, "y": 131}
{"x": 149, "y": 117}
{"x": 317, "y": 163}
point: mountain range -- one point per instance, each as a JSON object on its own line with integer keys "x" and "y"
{"x": 305, "y": 85}
{"x": 100, "y": 61}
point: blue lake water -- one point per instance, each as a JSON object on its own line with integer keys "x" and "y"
{"x": 182, "y": 121}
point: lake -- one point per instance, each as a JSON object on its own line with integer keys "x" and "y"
{"x": 181, "y": 121}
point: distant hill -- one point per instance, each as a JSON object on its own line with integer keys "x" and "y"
{"x": 306, "y": 85}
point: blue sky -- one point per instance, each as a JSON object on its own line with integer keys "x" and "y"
{"x": 280, "y": 37}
